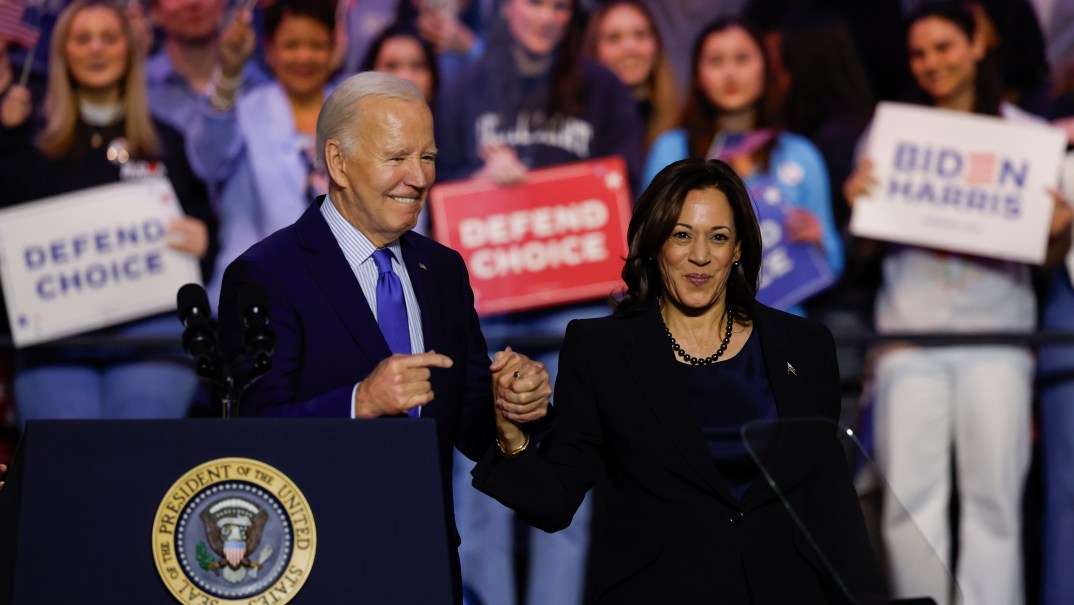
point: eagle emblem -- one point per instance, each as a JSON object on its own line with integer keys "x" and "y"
{"x": 234, "y": 527}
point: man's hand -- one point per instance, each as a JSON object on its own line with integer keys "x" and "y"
{"x": 520, "y": 390}
{"x": 397, "y": 384}
{"x": 3, "y": 469}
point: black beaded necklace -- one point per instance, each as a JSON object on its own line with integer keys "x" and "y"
{"x": 698, "y": 361}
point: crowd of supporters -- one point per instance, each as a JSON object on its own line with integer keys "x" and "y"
{"x": 223, "y": 101}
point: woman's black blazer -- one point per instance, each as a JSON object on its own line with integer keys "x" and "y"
{"x": 673, "y": 532}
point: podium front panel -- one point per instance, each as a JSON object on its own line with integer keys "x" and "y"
{"x": 78, "y": 517}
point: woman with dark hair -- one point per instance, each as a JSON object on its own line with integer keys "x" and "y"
{"x": 733, "y": 113}
{"x": 938, "y": 403}
{"x": 257, "y": 148}
{"x": 622, "y": 36}
{"x": 97, "y": 131}
{"x": 828, "y": 99}
{"x": 655, "y": 399}
{"x": 402, "y": 52}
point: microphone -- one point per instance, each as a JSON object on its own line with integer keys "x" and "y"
{"x": 198, "y": 339}
{"x": 260, "y": 338}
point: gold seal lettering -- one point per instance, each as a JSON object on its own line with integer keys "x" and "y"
{"x": 195, "y": 582}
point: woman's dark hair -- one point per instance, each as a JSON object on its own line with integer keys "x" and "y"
{"x": 827, "y": 79}
{"x": 700, "y": 117}
{"x": 655, "y": 217}
{"x": 1021, "y": 52}
{"x": 400, "y": 30}
{"x": 988, "y": 86}
{"x": 568, "y": 90}
{"x": 322, "y": 11}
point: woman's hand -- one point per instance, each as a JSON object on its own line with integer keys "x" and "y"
{"x": 341, "y": 39}
{"x": 3, "y": 469}
{"x": 802, "y": 226}
{"x": 502, "y": 166}
{"x": 860, "y": 182}
{"x": 16, "y": 106}
{"x": 188, "y": 235}
{"x": 1059, "y": 231}
{"x": 237, "y": 43}
{"x": 520, "y": 390}
{"x": 141, "y": 27}
{"x": 445, "y": 32}
{"x": 1062, "y": 214}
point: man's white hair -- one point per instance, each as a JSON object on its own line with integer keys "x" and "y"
{"x": 340, "y": 111}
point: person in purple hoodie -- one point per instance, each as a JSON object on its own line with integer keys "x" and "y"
{"x": 531, "y": 101}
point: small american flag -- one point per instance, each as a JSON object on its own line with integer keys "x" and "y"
{"x": 15, "y": 26}
{"x": 731, "y": 146}
{"x": 981, "y": 169}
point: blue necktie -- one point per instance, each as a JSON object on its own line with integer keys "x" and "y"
{"x": 391, "y": 308}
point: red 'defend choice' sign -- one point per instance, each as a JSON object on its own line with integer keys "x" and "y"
{"x": 560, "y": 237}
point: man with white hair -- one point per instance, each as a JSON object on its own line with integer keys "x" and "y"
{"x": 371, "y": 318}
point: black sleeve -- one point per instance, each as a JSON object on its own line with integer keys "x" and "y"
{"x": 21, "y": 165}
{"x": 546, "y": 487}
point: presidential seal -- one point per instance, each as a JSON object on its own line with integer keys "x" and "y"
{"x": 234, "y": 530}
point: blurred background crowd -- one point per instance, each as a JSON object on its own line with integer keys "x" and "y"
{"x": 225, "y": 97}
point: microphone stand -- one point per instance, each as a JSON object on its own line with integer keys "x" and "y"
{"x": 200, "y": 341}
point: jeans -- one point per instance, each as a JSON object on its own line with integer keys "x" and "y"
{"x": 95, "y": 383}
{"x": 1056, "y": 397}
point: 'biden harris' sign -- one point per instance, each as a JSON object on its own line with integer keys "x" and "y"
{"x": 90, "y": 259}
{"x": 960, "y": 182}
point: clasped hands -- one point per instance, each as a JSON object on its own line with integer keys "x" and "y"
{"x": 520, "y": 388}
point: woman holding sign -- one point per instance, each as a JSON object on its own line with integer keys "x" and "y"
{"x": 732, "y": 113}
{"x": 99, "y": 131}
{"x": 677, "y": 401}
{"x": 971, "y": 404}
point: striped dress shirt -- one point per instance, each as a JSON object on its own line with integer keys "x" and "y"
{"x": 358, "y": 251}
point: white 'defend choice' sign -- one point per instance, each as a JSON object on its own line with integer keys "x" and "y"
{"x": 90, "y": 259}
{"x": 960, "y": 182}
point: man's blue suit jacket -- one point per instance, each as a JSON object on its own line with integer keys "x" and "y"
{"x": 328, "y": 339}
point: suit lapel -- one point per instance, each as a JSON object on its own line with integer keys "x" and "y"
{"x": 781, "y": 367}
{"x": 336, "y": 281}
{"x": 419, "y": 267}
{"x": 655, "y": 371}
{"x": 782, "y": 362}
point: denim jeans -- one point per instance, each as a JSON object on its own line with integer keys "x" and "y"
{"x": 93, "y": 383}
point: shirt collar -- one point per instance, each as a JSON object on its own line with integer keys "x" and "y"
{"x": 357, "y": 248}
{"x": 159, "y": 69}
